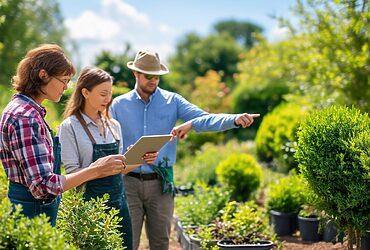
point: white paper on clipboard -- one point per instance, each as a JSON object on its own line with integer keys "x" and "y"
{"x": 146, "y": 143}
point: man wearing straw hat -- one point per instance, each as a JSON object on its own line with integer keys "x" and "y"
{"x": 150, "y": 110}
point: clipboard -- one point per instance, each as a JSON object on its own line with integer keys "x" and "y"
{"x": 146, "y": 143}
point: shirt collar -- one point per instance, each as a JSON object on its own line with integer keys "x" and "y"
{"x": 30, "y": 102}
{"x": 87, "y": 119}
{"x": 138, "y": 97}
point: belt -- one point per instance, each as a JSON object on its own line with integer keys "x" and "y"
{"x": 144, "y": 177}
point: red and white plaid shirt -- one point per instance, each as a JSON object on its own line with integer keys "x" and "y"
{"x": 26, "y": 148}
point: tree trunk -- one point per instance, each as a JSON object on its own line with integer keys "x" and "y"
{"x": 358, "y": 240}
{"x": 350, "y": 238}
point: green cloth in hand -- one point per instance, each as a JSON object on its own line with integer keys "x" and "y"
{"x": 166, "y": 174}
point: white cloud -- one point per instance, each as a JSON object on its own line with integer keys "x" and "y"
{"x": 278, "y": 34}
{"x": 112, "y": 26}
{"x": 89, "y": 25}
{"x": 124, "y": 10}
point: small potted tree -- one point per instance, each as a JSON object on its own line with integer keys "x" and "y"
{"x": 333, "y": 153}
{"x": 284, "y": 201}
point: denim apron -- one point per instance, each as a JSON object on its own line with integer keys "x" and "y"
{"x": 112, "y": 185}
{"x": 31, "y": 207}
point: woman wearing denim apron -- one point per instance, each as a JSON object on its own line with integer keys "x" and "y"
{"x": 29, "y": 153}
{"x": 89, "y": 133}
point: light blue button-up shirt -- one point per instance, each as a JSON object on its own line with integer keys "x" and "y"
{"x": 158, "y": 116}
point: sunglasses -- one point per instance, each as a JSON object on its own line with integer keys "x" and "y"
{"x": 150, "y": 77}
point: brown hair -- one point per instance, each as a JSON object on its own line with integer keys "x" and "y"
{"x": 49, "y": 57}
{"x": 88, "y": 79}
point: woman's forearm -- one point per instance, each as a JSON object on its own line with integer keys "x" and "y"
{"x": 79, "y": 177}
{"x": 105, "y": 166}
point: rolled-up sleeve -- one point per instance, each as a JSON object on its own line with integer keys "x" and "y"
{"x": 34, "y": 151}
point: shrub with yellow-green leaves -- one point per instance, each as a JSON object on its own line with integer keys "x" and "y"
{"x": 241, "y": 174}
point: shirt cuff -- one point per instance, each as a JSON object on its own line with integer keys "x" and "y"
{"x": 62, "y": 182}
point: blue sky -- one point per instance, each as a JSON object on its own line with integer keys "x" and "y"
{"x": 159, "y": 24}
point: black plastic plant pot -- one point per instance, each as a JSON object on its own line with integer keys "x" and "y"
{"x": 261, "y": 245}
{"x": 309, "y": 228}
{"x": 331, "y": 232}
{"x": 365, "y": 241}
{"x": 283, "y": 223}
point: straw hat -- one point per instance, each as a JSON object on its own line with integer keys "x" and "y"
{"x": 148, "y": 62}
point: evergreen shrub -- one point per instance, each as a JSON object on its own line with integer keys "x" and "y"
{"x": 334, "y": 157}
{"x": 240, "y": 174}
{"x": 88, "y": 224}
{"x": 19, "y": 232}
{"x": 286, "y": 195}
{"x": 277, "y": 136}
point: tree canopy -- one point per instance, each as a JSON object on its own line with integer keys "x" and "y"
{"x": 24, "y": 24}
{"x": 115, "y": 65}
{"x": 245, "y": 33}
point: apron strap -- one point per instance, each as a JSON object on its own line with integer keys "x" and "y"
{"x": 113, "y": 132}
{"x": 84, "y": 125}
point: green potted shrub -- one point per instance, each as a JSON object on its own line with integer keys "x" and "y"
{"x": 333, "y": 153}
{"x": 309, "y": 217}
{"x": 240, "y": 226}
{"x": 284, "y": 200}
{"x": 246, "y": 227}
{"x": 241, "y": 174}
{"x": 308, "y": 223}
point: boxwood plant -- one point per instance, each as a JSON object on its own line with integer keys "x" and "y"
{"x": 334, "y": 156}
{"x": 241, "y": 174}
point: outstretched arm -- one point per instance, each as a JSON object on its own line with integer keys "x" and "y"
{"x": 241, "y": 120}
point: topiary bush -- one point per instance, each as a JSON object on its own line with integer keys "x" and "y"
{"x": 286, "y": 195}
{"x": 241, "y": 174}
{"x": 19, "y": 232}
{"x": 87, "y": 224}
{"x": 277, "y": 136}
{"x": 334, "y": 154}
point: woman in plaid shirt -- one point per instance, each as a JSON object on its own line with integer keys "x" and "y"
{"x": 29, "y": 151}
